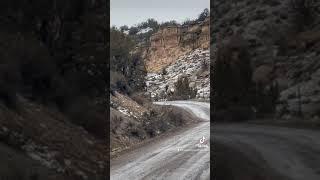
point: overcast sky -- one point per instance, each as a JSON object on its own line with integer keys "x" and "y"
{"x": 131, "y": 12}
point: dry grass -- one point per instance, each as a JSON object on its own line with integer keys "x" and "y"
{"x": 141, "y": 99}
{"x": 128, "y": 103}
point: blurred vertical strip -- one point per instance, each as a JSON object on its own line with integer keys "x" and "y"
{"x": 212, "y": 41}
{"x": 108, "y": 83}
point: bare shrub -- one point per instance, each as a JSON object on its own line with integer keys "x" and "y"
{"x": 163, "y": 118}
{"x": 115, "y": 122}
{"x": 182, "y": 90}
{"x": 204, "y": 65}
{"x": 119, "y": 82}
{"x": 164, "y": 72}
{"x": 140, "y": 98}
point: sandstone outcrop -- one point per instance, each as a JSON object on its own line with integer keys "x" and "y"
{"x": 171, "y": 42}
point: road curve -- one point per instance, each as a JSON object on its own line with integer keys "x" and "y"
{"x": 292, "y": 153}
{"x": 177, "y": 158}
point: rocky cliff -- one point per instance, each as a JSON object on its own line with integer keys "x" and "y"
{"x": 194, "y": 65}
{"x": 279, "y": 54}
{"x": 171, "y": 42}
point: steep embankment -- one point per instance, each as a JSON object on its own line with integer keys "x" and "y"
{"x": 279, "y": 53}
{"x": 55, "y": 147}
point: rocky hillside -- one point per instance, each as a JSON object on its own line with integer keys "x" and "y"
{"x": 171, "y": 42}
{"x": 48, "y": 138}
{"x": 133, "y": 123}
{"x": 175, "y": 52}
{"x": 52, "y": 88}
{"x": 195, "y": 65}
{"x": 178, "y": 50}
{"x": 280, "y": 52}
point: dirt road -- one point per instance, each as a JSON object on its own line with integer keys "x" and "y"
{"x": 242, "y": 152}
{"x": 272, "y": 152}
{"x": 183, "y": 156}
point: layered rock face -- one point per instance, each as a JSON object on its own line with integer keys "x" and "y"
{"x": 190, "y": 65}
{"x": 171, "y": 42}
{"x": 278, "y": 54}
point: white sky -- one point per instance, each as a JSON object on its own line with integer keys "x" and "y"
{"x": 131, "y": 12}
